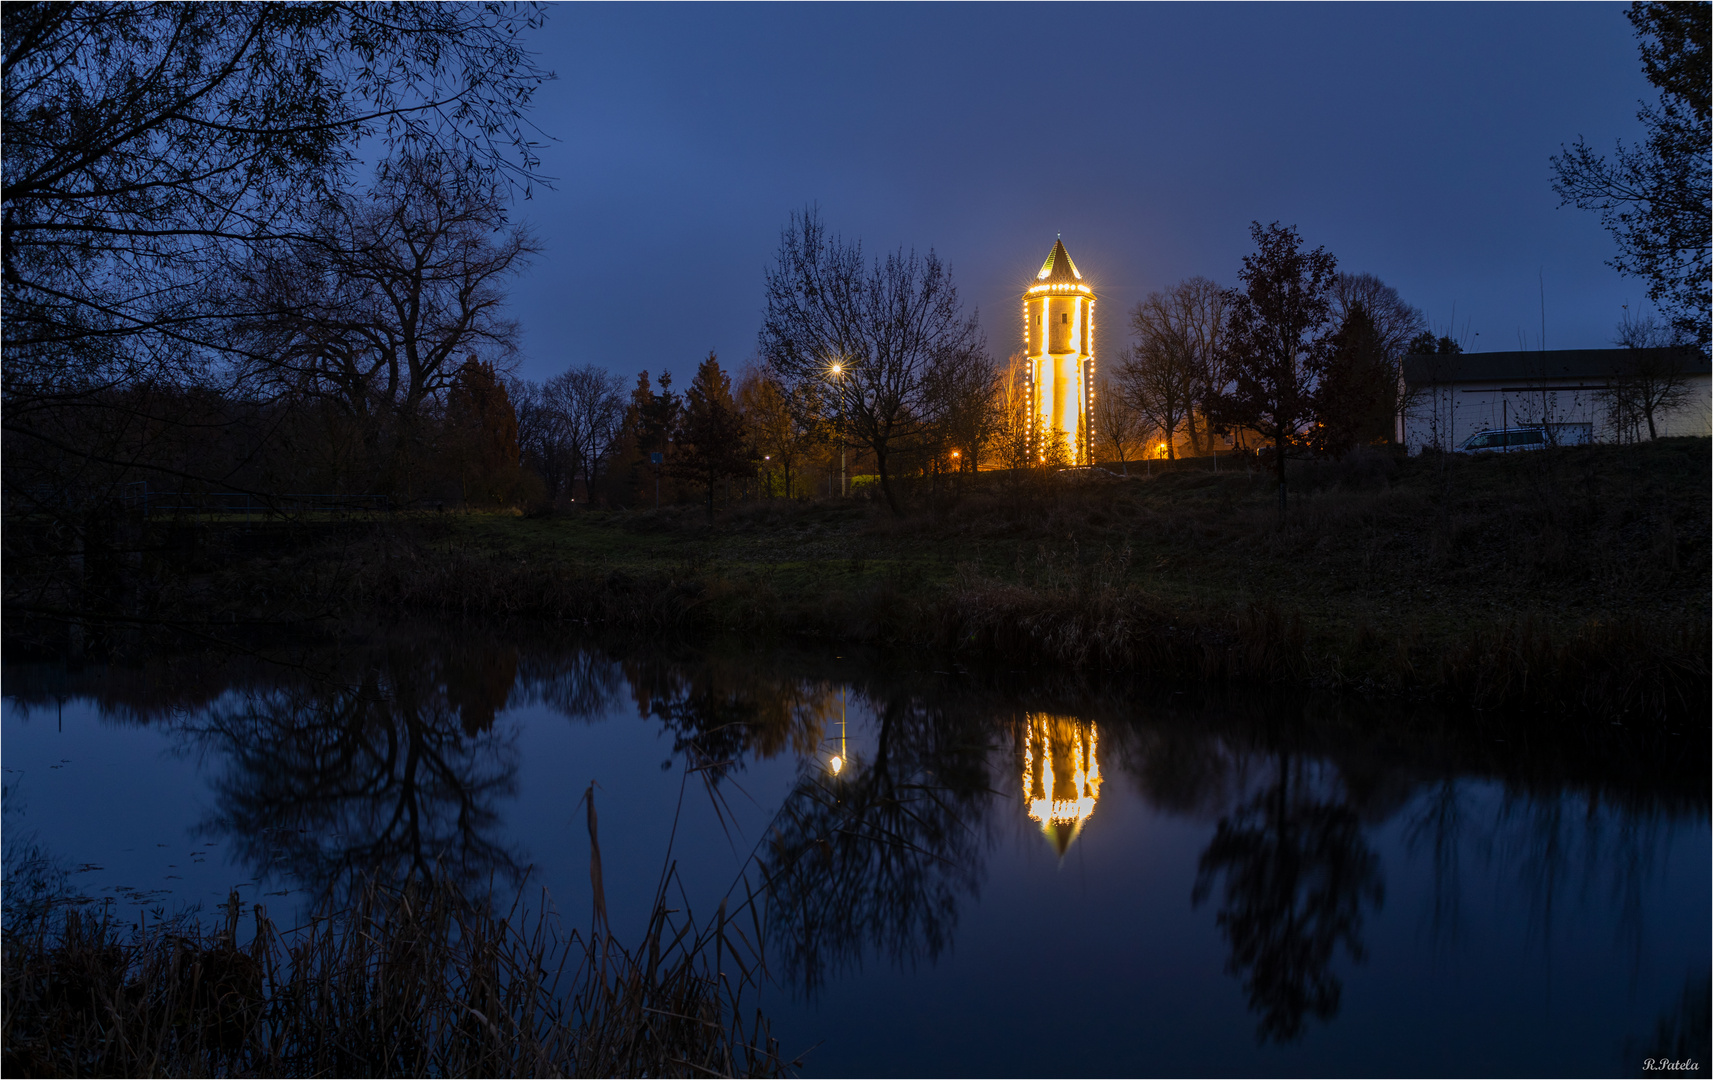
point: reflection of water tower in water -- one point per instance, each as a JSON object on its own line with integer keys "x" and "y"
{"x": 1061, "y": 774}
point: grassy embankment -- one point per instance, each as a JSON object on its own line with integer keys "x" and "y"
{"x": 1572, "y": 579}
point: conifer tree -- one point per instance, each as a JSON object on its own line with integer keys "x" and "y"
{"x": 711, "y": 437}
{"x": 482, "y": 430}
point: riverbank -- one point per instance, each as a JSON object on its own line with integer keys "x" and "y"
{"x": 1568, "y": 581}
{"x": 1571, "y": 579}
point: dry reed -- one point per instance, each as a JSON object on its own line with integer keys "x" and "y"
{"x": 409, "y": 981}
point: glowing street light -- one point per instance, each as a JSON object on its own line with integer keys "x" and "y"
{"x": 836, "y": 369}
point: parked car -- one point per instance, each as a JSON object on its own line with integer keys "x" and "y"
{"x": 1528, "y": 438}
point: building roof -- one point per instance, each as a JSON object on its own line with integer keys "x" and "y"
{"x": 1536, "y": 366}
{"x": 1059, "y": 267}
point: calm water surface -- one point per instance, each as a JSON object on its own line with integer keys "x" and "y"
{"x": 972, "y": 873}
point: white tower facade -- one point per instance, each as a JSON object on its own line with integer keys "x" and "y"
{"x": 1058, "y": 341}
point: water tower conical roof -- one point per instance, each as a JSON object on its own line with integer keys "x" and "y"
{"x": 1059, "y": 269}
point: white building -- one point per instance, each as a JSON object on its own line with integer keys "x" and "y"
{"x": 1450, "y": 397}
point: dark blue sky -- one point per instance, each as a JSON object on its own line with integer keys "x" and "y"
{"x": 1412, "y": 141}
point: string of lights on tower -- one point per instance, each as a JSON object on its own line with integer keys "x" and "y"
{"x": 1058, "y": 345}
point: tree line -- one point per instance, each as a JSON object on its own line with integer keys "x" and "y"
{"x": 205, "y": 305}
{"x": 878, "y": 357}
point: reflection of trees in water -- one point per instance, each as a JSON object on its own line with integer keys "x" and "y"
{"x": 1557, "y": 847}
{"x": 879, "y": 856}
{"x": 1297, "y": 875}
{"x": 726, "y": 711}
{"x": 1682, "y": 1034}
{"x": 388, "y": 766}
{"x": 579, "y": 684}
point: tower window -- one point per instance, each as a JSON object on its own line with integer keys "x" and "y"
{"x": 1065, "y": 317}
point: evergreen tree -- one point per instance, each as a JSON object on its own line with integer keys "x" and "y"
{"x": 1357, "y": 391}
{"x": 711, "y": 443}
{"x": 482, "y": 433}
{"x": 650, "y": 421}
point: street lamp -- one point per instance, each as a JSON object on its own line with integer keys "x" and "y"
{"x": 837, "y": 370}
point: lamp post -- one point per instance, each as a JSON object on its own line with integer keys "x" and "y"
{"x": 838, "y": 371}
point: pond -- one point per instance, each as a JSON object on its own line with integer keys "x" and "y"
{"x": 966, "y": 872}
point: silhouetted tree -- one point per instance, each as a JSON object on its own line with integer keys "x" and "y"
{"x": 481, "y": 434}
{"x": 1396, "y": 325}
{"x": 1160, "y": 374}
{"x": 893, "y": 327}
{"x": 1652, "y": 377}
{"x": 1297, "y": 876}
{"x": 877, "y": 856}
{"x": 589, "y": 407}
{"x": 1116, "y": 424}
{"x": 649, "y": 426}
{"x": 1278, "y": 330}
{"x": 711, "y": 443}
{"x": 785, "y": 424}
{"x": 544, "y": 443}
{"x": 151, "y": 148}
{"x": 964, "y": 389}
{"x": 374, "y": 310}
{"x": 1655, "y": 198}
{"x": 1190, "y": 316}
{"x": 1356, "y": 388}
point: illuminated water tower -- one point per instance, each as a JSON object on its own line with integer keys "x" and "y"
{"x": 1058, "y": 343}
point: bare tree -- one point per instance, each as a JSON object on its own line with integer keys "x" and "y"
{"x": 1653, "y": 379}
{"x": 375, "y": 309}
{"x": 149, "y": 146}
{"x": 544, "y": 446}
{"x": 1198, "y": 307}
{"x": 1160, "y": 374}
{"x": 888, "y": 330}
{"x": 786, "y": 424}
{"x": 1116, "y": 424}
{"x": 964, "y": 390}
{"x": 590, "y": 403}
{"x": 1011, "y": 413}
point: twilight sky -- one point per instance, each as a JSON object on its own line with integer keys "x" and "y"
{"x": 1411, "y": 140}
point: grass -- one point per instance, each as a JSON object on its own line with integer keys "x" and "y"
{"x": 1569, "y": 578}
{"x": 1575, "y": 578}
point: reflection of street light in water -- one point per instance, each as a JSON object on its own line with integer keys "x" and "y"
{"x": 839, "y": 759}
{"x": 1061, "y": 775}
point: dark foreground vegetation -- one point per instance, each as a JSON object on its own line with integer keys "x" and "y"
{"x": 403, "y": 981}
{"x": 1571, "y": 581}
